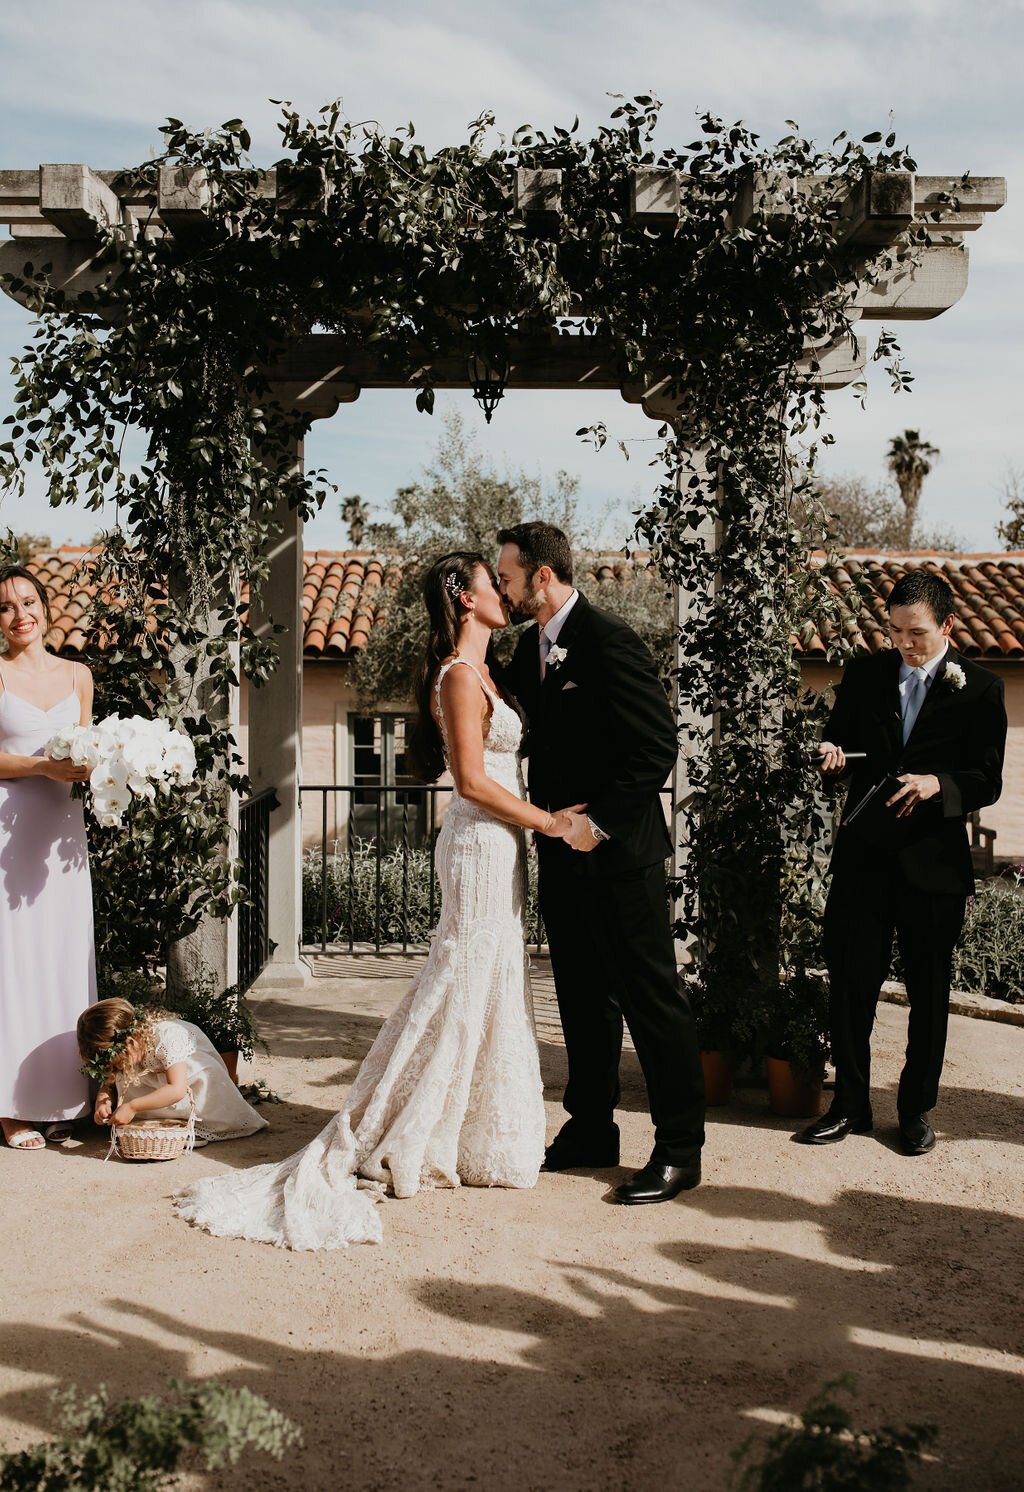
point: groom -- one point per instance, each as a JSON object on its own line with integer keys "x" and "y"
{"x": 601, "y": 732}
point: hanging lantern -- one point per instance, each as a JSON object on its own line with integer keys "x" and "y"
{"x": 487, "y": 377}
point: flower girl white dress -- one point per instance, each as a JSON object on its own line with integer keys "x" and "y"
{"x": 450, "y": 1092}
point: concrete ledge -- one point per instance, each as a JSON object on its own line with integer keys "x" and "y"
{"x": 981, "y": 1007}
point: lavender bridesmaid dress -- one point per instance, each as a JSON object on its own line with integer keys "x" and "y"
{"x": 47, "y": 962}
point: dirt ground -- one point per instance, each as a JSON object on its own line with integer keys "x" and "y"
{"x": 545, "y": 1339}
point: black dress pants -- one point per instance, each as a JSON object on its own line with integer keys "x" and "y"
{"x": 613, "y": 957}
{"x": 865, "y": 908}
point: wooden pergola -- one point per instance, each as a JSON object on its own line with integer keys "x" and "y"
{"x": 55, "y": 213}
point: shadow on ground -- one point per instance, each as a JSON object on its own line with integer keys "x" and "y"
{"x": 609, "y": 1379}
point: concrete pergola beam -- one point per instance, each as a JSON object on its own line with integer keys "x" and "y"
{"x": 183, "y": 196}
{"x": 77, "y": 201}
{"x": 538, "y": 194}
{"x": 917, "y": 291}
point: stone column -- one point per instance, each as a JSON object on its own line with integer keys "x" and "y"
{"x": 212, "y": 949}
{"x": 275, "y": 709}
{"x": 275, "y": 746}
{"x": 658, "y": 405}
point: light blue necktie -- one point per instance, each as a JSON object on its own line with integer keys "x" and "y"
{"x": 916, "y": 695}
{"x": 545, "y": 648}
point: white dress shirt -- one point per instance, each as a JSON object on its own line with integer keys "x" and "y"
{"x": 908, "y": 670}
{"x": 554, "y": 624}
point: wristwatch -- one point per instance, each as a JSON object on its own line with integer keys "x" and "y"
{"x": 597, "y": 831}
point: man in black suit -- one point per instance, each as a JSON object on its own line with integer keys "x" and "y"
{"x": 936, "y": 722}
{"x": 601, "y": 733}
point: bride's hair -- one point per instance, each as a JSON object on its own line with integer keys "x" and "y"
{"x": 443, "y": 584}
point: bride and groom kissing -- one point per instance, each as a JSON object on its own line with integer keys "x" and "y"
{"x": 450, "y": 1093}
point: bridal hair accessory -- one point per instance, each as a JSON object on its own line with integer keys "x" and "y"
{"x": 955, "y": 676}
{"x": 453, "y": 585}
{"x": 100, "y": 1064}
{"x": 556, "y": 655}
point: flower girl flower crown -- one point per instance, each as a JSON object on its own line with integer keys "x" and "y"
{"x": 101, "y": 1063}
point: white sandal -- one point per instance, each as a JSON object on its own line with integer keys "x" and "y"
{"x": 23, "y": 1139}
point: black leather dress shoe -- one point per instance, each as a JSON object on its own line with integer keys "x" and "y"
{"x": 835, "y": 1126}
{"x": 569, "y": 1152}
{"x": 916, "y": 1135}
{"x": 656, "y": 1183}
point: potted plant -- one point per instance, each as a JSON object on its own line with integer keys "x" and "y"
{"x": 223, "y": 1015}
{"x": 714, "y": 1018}
{"x": 798, "y": 1045}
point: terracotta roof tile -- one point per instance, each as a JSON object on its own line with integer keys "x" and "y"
{"x": 345, "y": 591}
{"x": 342, "y": 596}
{"x": 988, "y": 589}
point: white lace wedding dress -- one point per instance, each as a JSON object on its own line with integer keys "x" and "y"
{"x": 450, "y": 1092}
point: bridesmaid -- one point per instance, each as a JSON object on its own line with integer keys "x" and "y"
{"x": 47, "y": 963}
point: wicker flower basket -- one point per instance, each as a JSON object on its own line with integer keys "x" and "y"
{"x": 155, "y": 1139}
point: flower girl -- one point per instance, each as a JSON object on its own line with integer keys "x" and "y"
{"x": 146, "y": 1061}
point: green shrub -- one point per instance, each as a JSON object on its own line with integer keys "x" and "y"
{"x": 403, "y": 911}
{"x": 824, "y": 1453}
{"x": 225, "y": 1016}
{"x": 989, "y": 959}
{"x": 137, "y": 1445}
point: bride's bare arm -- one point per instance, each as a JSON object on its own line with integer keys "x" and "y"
{"x": 465, "y": 716}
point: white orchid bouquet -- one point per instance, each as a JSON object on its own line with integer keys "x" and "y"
{"x": 127, "y": 759}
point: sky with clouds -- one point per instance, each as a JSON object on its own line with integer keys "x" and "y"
{"x": 93, "y": 83}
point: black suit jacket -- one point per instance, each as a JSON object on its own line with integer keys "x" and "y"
{"x": 601, "y": 732}
{"x": 959, "y": 737}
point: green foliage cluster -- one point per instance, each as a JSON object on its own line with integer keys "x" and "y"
{"x": 863, "y": 517}
{"x": 824, "y": 1452}
{"x": 398, "y": 910}
{"x": 1012, "y": 530}
{"x": 138, "y": 1445}
{"x": 989, "y": 957}
{"x": 225, "y": 1016}
{"x": 413, "y": 257}
{"x": 460, "y": 503}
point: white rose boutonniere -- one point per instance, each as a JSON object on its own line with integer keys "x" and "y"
{"x": 556, "y": 655}
{"x": 955, "y": 676}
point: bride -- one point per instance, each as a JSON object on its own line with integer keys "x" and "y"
{"x": 450, "y": 1092}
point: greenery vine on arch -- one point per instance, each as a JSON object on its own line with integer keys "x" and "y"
{"x": 419, "y": 255}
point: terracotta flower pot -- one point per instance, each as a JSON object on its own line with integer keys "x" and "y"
{"x": 230, "y": 1060}
{"x": 719, "y": 1071}
{"x": 792, "y": 1092}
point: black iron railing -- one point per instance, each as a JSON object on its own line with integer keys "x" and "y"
{"x": 370, "y": 882}
{"x": 254, "y": 853}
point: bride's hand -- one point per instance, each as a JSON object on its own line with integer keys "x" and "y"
{"x": 561, "y": 825}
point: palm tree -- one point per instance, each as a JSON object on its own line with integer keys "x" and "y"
{"x": 907, "y": 459}
{"x": 355, "y": 512}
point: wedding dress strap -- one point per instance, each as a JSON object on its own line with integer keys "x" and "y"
{"x": 450, "y": 663}
{"x": 2, "y": 684}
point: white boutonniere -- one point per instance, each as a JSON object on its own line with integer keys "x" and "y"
{"x": 556, "y": 655}
{"x": 955, "y": 676}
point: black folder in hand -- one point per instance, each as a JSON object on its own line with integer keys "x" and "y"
{"x": 870, "y": 819}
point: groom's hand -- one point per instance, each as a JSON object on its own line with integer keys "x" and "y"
{"x": 580, "y": 836}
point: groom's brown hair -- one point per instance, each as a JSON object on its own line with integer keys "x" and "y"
{"x": 540, "y": 544}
